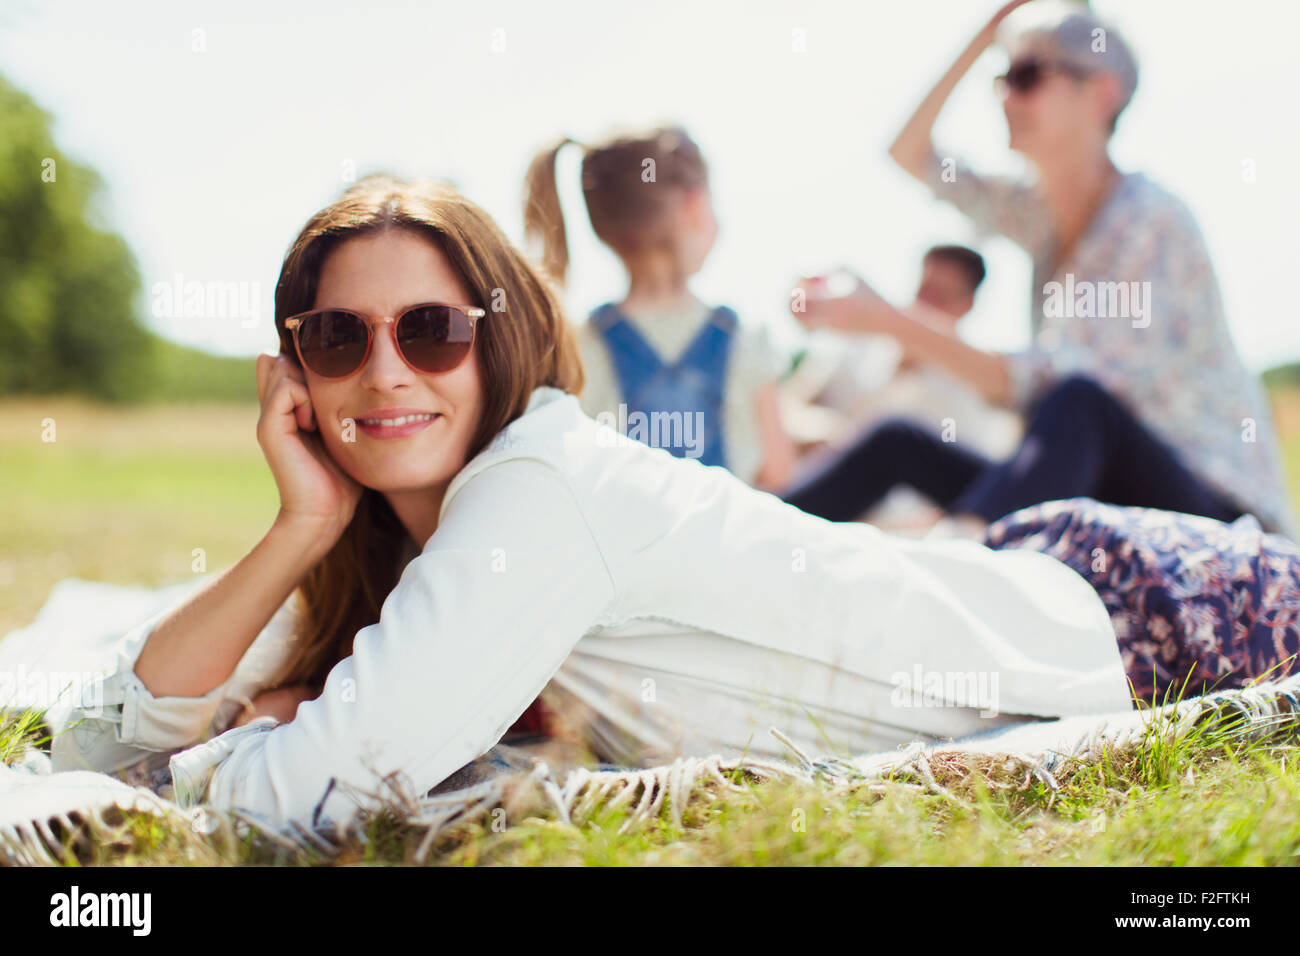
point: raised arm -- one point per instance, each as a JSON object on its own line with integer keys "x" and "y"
{"x": 198, "y": 645}
{"x": 227, "y": 639}
{"x": 474, "y": 629}
{"x": 926, "y": 341}
{"x": 912, "y": 148}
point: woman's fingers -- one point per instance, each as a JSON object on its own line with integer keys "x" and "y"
{"x": 272, "y": 372}
{"x": 264, "y": 365}
{"x": 270, "y": 369}
{"x": 295, "y": 399}
{"x": 305, "y": 412}
{"x": 287, "y": 398}
{"x": 306, "y": 415}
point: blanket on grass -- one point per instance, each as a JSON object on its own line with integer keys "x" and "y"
{"x": 42, "y": 813}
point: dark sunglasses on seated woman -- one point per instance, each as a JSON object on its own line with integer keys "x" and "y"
{"x": 1025, "y": 75}
{"x": 431, "y": 337}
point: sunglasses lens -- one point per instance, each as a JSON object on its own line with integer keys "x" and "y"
{"x": 435, "y": 338}
{"x": 1025, "y": 76}
{"x": 332, "y": 343}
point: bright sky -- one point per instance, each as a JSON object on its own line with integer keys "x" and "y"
{"x": 214, "y": 159}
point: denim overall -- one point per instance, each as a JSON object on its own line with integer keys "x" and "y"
{"x": 693, "y": 383}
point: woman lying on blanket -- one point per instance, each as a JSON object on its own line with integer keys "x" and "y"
{"x": 455, "y": 536}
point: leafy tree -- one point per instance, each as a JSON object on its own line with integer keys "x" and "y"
{"x": 68, "y": 289}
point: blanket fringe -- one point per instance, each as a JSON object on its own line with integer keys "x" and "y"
{"x": 1257, "y": 712}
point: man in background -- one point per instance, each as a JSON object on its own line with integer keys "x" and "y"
{"x": 857, "y": 381}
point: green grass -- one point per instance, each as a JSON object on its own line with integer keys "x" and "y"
{"x": 1211, "y": 798}
{"x": 125, "y": 494}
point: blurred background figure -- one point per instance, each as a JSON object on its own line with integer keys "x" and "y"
{"x": 153, "y": 471}
{"x": 1139, "y": 398}
{"x": 838, "y": 393}
{"x": 950, "y": 276}
{"x": 660, "y": 350}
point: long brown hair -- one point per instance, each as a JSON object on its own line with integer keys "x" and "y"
{"x": 627, "y": 210}
{"x": 524, "y": 343}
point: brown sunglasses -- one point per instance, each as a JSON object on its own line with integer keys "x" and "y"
{"x": 431, "y": 337}
{"x": 1027, "y": 75}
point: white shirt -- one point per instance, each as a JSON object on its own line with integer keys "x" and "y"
{"x": 685, "y": 608}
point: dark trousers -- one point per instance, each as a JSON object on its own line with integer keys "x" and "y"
{"x": 1080, "y": 442}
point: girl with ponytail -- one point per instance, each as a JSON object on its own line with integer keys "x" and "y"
{"x": 660, "y": 351}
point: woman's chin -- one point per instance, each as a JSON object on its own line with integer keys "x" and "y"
{"x": 397, "y": 482}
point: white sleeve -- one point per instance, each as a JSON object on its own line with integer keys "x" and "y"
{"x": 477, "y": 625}
{"x": 121, "y": 723}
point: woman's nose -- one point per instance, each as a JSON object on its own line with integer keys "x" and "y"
{"x": 385, "y": 366}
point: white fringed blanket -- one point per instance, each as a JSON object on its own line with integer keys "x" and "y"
{"x": 33, "y": 800}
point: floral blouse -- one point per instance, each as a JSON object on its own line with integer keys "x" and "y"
{"x": 1136, "y": 306}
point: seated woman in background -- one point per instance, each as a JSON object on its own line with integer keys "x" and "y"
{"x": 662, "y": 353}
{"x": 456, "y": 536}
{"x": 1133, "y": 391}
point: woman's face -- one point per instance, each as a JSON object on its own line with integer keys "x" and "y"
{"x": 1053, "y": 116}
{"x": 380, "y": 274}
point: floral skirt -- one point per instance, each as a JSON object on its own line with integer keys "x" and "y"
{"x": 1198, "y": 605}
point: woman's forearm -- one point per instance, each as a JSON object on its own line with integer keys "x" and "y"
{"x": 912, "y": 147}
{"x": 987, "y": 372}
{"x": 197, "y": 647}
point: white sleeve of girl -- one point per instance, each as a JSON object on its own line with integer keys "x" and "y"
{"x": 476, "y": 626}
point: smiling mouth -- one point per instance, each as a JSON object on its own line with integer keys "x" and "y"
{"x": 400, "y": 420}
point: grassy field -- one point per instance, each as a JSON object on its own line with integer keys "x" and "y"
{"x": 126, "y": 495}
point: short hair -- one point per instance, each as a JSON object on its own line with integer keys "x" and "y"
{"x": 1079, "y": 36}
{"x": 968, "y": 260}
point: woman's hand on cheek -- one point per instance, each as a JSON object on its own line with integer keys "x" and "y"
{"x": 306, "y": 414}
{"x": 316, "y": 495}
